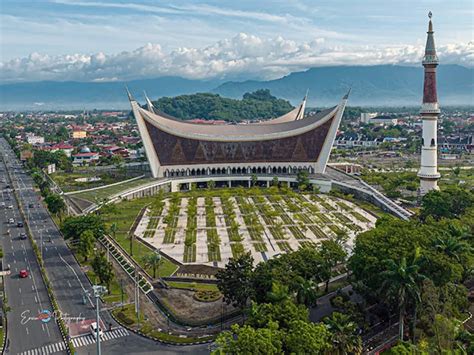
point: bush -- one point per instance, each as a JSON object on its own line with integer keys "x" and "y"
{"x": 124, "y": 318}
{"x": 207, "y": 296}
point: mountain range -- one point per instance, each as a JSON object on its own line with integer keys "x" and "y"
{"x": 381, "y": 85}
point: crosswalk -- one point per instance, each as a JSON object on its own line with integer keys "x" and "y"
{"x": 89, "y": 339}
{"x": 77, "y": 342}
{"x": 46, "y": 350}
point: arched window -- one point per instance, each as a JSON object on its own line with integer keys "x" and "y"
{"x": 432, "y": 142}
{"x": 422, "y": 141}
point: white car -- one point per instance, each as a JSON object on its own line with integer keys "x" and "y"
{"x": 93, "y": 329}
{"x": 11, "y": 221}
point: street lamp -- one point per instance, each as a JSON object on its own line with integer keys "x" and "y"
{"x": 98, "y": 291}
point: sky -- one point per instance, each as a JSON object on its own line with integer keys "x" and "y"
{"x": 93, "y": 40}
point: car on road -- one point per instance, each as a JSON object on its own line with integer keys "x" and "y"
{"x": 10, "y": 207}
{"x": 93, "y": 329}
{"x": 22, "y": 236}
{"x": 31, "y": 205}
{"x": 19, "y": 224}
{"x": 23, "y": 273}
{"x": 11, "y": 221}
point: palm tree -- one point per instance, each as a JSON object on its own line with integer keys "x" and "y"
{"x": 152, "y": 260}
{"x": 344, "y": 334}
{"x": 451, "y": 245}
{"x": 307, "y": 292}
{"x": 402, "y": 282}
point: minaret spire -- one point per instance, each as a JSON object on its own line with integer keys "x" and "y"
{"x": 428, "y": 172}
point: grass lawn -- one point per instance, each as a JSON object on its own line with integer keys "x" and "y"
{"x": 193, "y": 285}
{"x": 124, "y": 216}
{"x": 112, "y": 190}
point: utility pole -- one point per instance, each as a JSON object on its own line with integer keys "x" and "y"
{"x": 137, "y": 297}
{"x": 98, "y": 291}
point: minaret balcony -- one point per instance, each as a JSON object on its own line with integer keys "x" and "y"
{"x": 424, "y": 175}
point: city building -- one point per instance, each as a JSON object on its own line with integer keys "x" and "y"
{"x": 85, "y": 157}
{"x": 373, "y": 118}
{"x": 33, "y": 139}
{"x": 284, "y": 145}
{"x": 79, "y": 134}
{"x": 428, "y": 172}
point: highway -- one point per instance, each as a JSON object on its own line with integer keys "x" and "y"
{"x": 27, "y": 297}
{"x": 68, "y": 281}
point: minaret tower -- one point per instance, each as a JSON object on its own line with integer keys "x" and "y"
{"x": 428, "y": 172}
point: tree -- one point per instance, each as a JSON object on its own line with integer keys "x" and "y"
{"x": 247, "y": 340}
{"x": 332, "y": 254}
{"x": 73, "y": 227}
{"x": 284, "y": 312}
{"x": 103, "y": 269}
{"x": 402, "y": 283}
{"x": 448, "y": 203}
{"x": 451, "y": 246}
{"x": 152, "y": 260}
{"x": 278, "y": 293}
{"x": 307, "y": 338}
{"x": 211, "y": 184}
{"x": 113, "y": 229}
{"x": 117, "y": 161}
{"x": 254, "y": 180}
{"x": 55, "y": 205}
{"x": 307, "y": 292}
{"x": 302, "y": 180}
{"x": 344, "y": 336}
{"x": 275, "y": 181}
{"x": 235, "y": 281}
{"x": 86, "y": 244}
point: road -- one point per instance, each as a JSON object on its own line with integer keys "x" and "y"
{"x": 27, "y": 297}
{"x": 68, "y": 281}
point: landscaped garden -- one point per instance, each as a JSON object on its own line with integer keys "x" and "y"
{"x": 211, "y": 226}
{"x": 108, "y": 191}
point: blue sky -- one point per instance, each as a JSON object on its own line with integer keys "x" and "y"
{"x": 124, "y": 39}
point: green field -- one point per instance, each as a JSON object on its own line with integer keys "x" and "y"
{"x": 107, "y": 192}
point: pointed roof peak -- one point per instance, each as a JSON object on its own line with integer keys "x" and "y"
{"x": 430, "y": 24}
{"x": 430, "y": 48}
{"x": 130, "y": 97}
{"x": 346, "y": 96}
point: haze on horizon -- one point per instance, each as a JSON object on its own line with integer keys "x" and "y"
{"x": 87, "y": 40}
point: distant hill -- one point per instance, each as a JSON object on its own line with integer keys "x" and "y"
{"x": 89, "y": 95}
{"x": 389, "y": 85}
{"x": 255, "y": 105}
{"x": 371, "y": 85}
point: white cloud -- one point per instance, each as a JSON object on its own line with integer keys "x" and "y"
{"x": 244, "y": 55}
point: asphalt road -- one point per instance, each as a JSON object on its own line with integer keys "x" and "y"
{"x": 68, "y": 281}
{"x": 27, "y": 297}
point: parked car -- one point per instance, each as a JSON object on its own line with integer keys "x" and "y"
{"x": 31, "y": 205}
{"x": 93, "y": 329}
{"x": 23, "y": 273}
